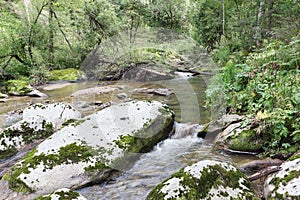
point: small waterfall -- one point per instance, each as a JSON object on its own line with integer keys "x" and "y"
{"x": 167, "y": 157}
{"x": 182, "y": 130}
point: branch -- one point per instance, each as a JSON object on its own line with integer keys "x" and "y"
{"x": 264, "y": 173}
{"x": 60, "y": 28}
{"x": 13, "y": 56}
{"x": 31, "y": 30}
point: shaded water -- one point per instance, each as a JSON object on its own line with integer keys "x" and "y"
{"x": 166, "y": 158}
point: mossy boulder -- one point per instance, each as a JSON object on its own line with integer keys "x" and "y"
{"x": 89, "y": 150}
{"x": 22, "y": 88}
{"x": 69, "y": 74}
{"x": 18, "y": 87}
{"x": 39, "y": 122}
{"x": 64, "y": 194}
{"x": 206, "y": 179}
{"x": 284, "y": 184}
{"x": 240, "y": 139}
{"x": 2, "y": 96}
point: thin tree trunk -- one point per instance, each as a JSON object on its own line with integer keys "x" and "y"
{"x": 260, "y": 15}
{"x": 61, "y": 30}
{"x": 51, "y": 34}
{"x": 270, "y": 16}
{"x": 223, "y": 17}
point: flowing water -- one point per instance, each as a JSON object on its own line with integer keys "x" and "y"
{"x": 167, "y": 157}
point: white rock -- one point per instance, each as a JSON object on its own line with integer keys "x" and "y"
{"x": 287, "y": 188}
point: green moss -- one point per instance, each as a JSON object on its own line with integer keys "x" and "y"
{"x": 211, "y": 177}
{"x": 68, "y": 122}
{"x": 27, "y": 134}
{"x": 64, "y": 74}
{"x": 202, "y": 133}
{"x": 68, "y": 195}
{"x": 18, "y": 87}
{"x": 276, "y": 181}
{"x": 245, "y": 141}
{"x": 30, "y": 134}
{"x": 11, "y": 151}
{"x": 142, "y": 141}
{"x": 72, "y": 153}
{"x": 294, "y": 157}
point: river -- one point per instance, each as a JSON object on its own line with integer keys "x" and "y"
{"x": 167, "y": 157}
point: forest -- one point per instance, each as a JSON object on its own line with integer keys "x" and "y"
{"x": 254, "y": 46}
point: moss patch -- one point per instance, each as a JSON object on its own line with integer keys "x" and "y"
{"x": 276, "y": 181}
{"x": 28, "y": 135}
{"x": 64, "y": 74}
{"x": 245, "y": 141}
{"x": 142, "y": 141}
{"x": 63, "y": 195}
{"x": 211, "y": 177}
{"x": 72, "y": 153}
{"x": 17, "y": 87}
{"x": 8, "y": 152}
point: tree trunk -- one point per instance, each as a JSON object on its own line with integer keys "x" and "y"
{"x": 261, "y": 12}
{"x": 51, "y": 34}
{"x": 223, "y": 17}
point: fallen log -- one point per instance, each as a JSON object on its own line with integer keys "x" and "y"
{"x": 263, "y": 173}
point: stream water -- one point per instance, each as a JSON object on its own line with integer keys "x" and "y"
{"x": 166, "y": 158}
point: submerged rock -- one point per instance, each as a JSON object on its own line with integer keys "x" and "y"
{"x": 39, "y": 122}
{"x": 206, "y": 179}
{"x": 95, "y": 90}
{"x": 89, "y": 150}
{"x": 144, "y": 74}
{"x": 63, "y": 193}
{"x": 284, "y": 184}
{"x": 157, "y": 91}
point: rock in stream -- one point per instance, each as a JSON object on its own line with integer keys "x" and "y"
{"x": 89, "y": 150}
{"x": 206, "y": 179}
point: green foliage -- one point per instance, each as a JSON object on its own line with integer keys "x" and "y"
{"x": 267, "y": 86}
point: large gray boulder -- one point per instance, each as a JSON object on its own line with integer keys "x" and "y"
{"x": 284, "y": 184}
{"x": 88, "y": 150}
{"x": 206, "y": 179}
{"x": 39, "y": 122}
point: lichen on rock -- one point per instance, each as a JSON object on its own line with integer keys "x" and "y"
{"x": 89, "y": 151}
{"x": 206, "y": 179}
{"x": 64, "y": 194}
{"x": 284, "y": 184}
{"x": 39, "y": 122}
